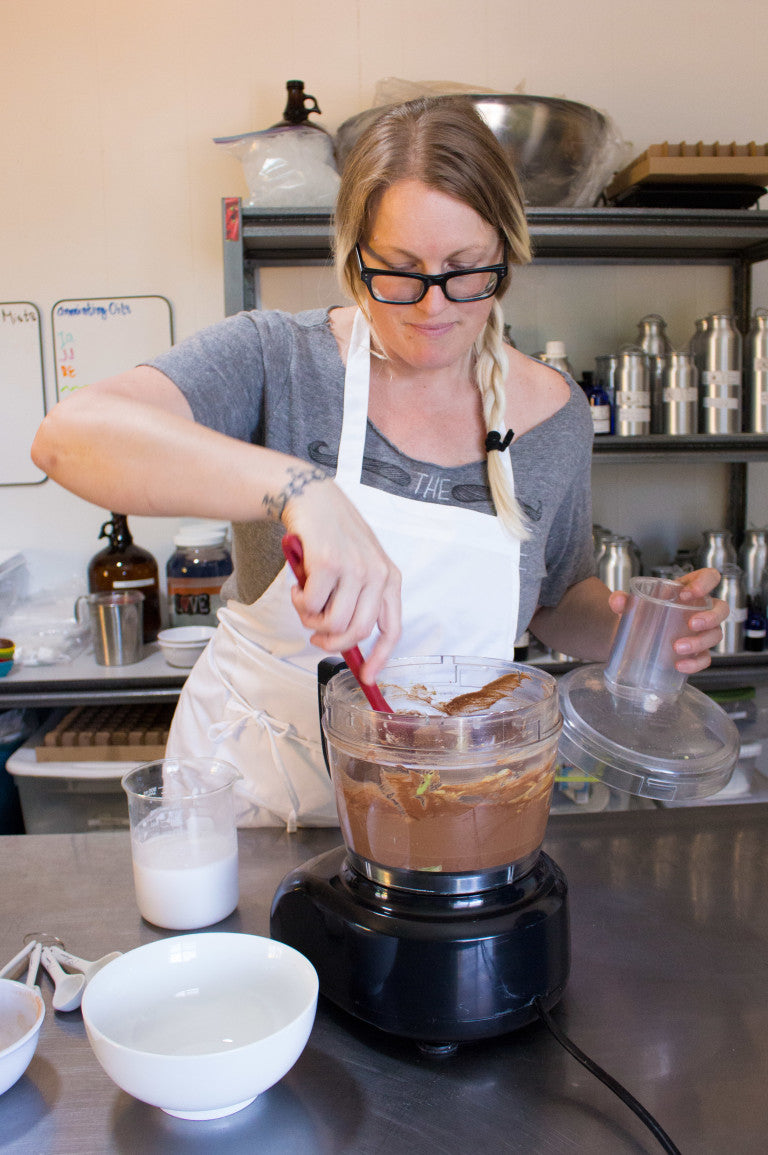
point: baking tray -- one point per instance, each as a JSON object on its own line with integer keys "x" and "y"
{"x": 700, "y": 163}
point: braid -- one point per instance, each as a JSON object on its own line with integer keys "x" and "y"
{"x": 490, "y": 373}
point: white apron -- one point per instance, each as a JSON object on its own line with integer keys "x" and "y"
{"x": 252, "y": 696}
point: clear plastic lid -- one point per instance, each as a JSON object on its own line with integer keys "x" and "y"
{"x": 634, "y": 724}
{"x": 683, "y": 748}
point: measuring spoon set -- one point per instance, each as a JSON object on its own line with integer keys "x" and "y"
{"x": 69, "y": 983}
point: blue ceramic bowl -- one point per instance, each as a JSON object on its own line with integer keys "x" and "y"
{"x": 6, "y": 667}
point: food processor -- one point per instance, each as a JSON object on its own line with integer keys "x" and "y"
{"x": 440, "y": 918}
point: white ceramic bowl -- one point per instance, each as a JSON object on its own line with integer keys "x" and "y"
{"x": 201, "y": 1024}
{"x": 183, "y": 645}
{"x": 22, "y": 1011}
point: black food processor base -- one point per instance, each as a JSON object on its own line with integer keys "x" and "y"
{"x": 440, "y": 969}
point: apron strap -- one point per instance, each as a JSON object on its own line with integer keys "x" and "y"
{"x": 242, "y": 714}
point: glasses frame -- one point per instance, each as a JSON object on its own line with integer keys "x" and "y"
{"x": 427, "y": 280}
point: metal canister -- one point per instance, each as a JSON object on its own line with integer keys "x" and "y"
{"x": 756, "y": 372}
{"x": 717, "y": 550}
{"x": 753, "y": 557}
{"x": 720, "y": 392}
{"x": 599, "y": 536}
{"x": 632, "y": 402}
{"x": 686, "y": 559}
{"x": 696, "y": 343}
{"x": 732, "y": 590}
{"x": 652, "y": 339}
{"x": 680, "y": 394}
{"x": 618, "y": 562}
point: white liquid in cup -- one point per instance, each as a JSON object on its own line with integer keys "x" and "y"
{"x": 185, "y": 882}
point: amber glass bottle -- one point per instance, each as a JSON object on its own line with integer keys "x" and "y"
{"x": 123, "y": 565}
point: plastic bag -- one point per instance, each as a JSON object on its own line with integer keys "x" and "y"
{"x": 393, "y": 90}
{"x": 290, "y": 166}
{"x": 44, "y": 627}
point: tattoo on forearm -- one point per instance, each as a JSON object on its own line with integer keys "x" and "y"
{"x": 298, "y": 480}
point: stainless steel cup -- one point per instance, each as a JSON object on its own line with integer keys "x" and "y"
{"x": 116, "y": 621}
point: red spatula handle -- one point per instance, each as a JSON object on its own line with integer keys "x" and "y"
{"x": 294, "y": 555}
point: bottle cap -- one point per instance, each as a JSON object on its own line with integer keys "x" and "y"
{"x": 555, "y": 349}
{"x": 201, "y": 533}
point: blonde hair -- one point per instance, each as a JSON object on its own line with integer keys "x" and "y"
{"x": 446, "y": 145}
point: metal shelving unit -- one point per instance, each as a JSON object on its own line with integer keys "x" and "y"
{"x": 257, "y": 238}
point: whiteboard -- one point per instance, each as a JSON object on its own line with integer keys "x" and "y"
{"x": 98, "y": 337}
{"x": 22, "y": 391}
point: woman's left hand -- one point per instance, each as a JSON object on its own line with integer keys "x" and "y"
{"x": 694, "y": 648}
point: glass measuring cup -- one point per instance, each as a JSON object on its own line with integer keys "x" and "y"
{"x": 183, "y": 840}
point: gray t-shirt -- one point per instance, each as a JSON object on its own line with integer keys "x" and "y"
{"x": 276, "y": 379}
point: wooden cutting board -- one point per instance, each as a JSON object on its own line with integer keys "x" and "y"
{"x": 132, "y": 733}
{"x": 696, "y": 164}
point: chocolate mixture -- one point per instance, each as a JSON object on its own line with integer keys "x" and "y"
{"x": 409, "y": 820}
{"x": 473, "y": 702}
{"x": 478, "y": 700}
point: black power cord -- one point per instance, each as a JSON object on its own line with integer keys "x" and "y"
{"x": 625, "y": 1096}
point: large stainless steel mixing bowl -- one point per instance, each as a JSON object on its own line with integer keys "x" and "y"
{"x": 564, "y": 152}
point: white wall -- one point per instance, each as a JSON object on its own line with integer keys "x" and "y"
{"x": 111, "y": 183}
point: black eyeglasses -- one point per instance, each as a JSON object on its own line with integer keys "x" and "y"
{"x": 407, "y": 288}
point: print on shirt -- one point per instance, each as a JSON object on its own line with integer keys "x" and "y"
{"x": 419, "y": 483}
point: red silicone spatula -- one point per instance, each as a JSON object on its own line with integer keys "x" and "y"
{"x": 294, "y": 555}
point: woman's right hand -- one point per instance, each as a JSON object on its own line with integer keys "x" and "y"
{"x": 352, "y": 587}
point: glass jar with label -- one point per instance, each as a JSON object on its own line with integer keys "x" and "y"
{"x": 196, "y": 571}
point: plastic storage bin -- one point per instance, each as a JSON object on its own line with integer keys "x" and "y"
{"x": 69, "y": 797}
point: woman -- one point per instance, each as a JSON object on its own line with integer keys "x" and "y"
{"x": 401, "y": 439}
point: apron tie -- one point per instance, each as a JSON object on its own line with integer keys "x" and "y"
{"x": 241, "y": 714}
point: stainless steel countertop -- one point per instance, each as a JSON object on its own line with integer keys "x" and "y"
{"x": 668, "y": 992}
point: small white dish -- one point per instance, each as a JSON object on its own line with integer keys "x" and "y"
{"x": 22, "y": 1011}
{"x": 183, "y": 645}
{"x": 200, "y": 1024}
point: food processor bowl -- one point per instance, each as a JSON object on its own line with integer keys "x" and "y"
{"x": 451, "y": 792}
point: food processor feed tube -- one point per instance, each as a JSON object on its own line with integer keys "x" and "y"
{"x": 443, "y": 805}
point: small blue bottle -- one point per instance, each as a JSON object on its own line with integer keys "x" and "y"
{"x": 754, "y": 628}
{"x": 599, "y": 404}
